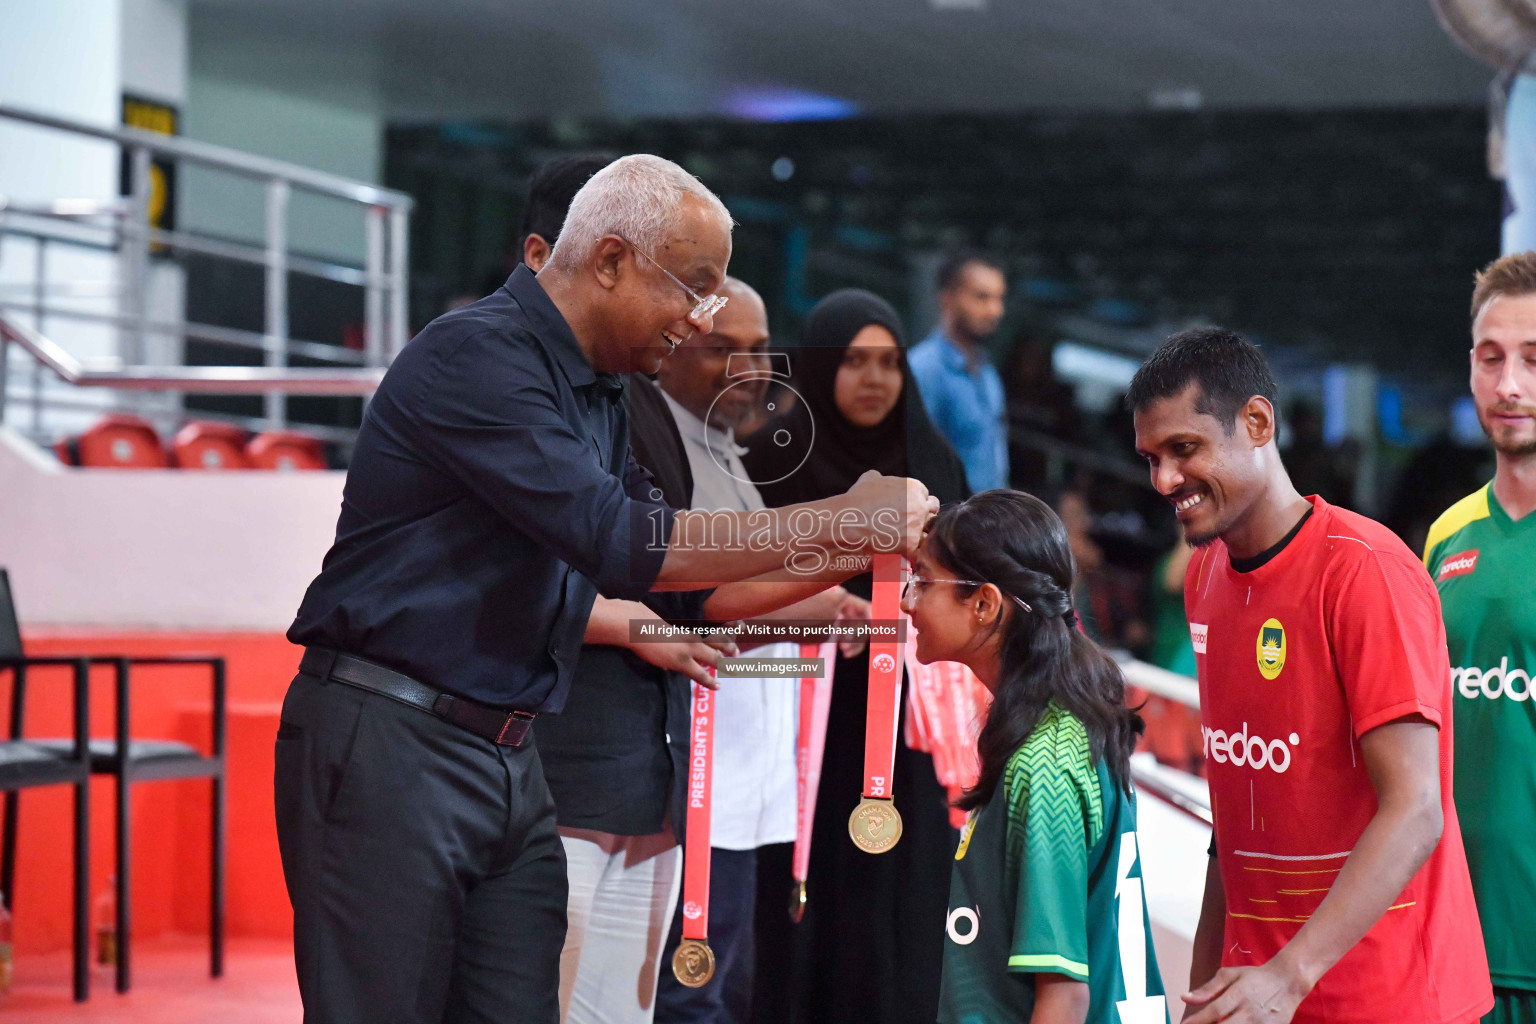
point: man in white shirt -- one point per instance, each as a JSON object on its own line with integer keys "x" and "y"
{"x": 712, "y": 383}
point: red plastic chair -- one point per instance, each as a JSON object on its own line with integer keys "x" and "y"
{"x": 117, "y": 441}
{"x": 205, "y": 445}
{"x": 284, "y": 449}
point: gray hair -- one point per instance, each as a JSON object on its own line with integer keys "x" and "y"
{"x": 636, "y": 196}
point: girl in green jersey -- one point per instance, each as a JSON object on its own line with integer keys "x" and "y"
{"x": 1047, "y": 920}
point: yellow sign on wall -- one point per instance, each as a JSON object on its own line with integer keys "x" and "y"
{"x": 153, "y": 116}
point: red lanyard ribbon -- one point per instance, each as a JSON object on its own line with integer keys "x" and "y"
{"x": 946, "y": 705}
{"x": 694, "y": 963}
{"x": 810, "y": 743}
{"x": 875, "y": 826}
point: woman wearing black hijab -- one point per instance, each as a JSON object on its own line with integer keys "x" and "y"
{"x": 870, "y": 947}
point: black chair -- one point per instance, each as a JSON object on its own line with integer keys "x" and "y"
{"x": 147, "y": 761}
{"x": 24, "y": 764}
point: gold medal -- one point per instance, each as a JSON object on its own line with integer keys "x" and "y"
{"x": 797, "y": 902}
{"x": 875, "y": 826}
{"x": 694, "y": 963}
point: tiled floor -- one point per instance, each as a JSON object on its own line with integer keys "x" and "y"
{"x": 170, "y": 986}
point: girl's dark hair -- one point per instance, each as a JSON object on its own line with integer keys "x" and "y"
{"x": 1016, "y": 542}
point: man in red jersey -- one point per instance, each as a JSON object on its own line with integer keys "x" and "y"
{"x": 1337, "y": 888}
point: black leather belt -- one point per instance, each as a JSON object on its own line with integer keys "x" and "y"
{"x": 503, "y": 728}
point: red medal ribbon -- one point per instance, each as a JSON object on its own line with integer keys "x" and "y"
{"x": 701, "y": 753}
{"x": 810, "y": 743}
{"x": 884, "y": 682}
{"x": 946, "y": 706}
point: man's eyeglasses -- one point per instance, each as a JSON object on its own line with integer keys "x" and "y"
{"x": 914, "y": 583}
{"x": 703, "y": 305}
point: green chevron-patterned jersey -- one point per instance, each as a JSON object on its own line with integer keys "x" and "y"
{"x": 1484, "y": 564}
{"x": 1047, "y": 881}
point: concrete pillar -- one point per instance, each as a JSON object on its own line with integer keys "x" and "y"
{"x": 77, "y": 59}
{"x": 1519, "y": 229}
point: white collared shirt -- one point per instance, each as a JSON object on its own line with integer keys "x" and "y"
{"x": 755, "y": 719}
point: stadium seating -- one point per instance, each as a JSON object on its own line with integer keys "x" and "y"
{"x": 284, "y": 449}
{"x": 122, "y": 441}
{"x": 117, "y": 441}
{"x": 202, "y": 444}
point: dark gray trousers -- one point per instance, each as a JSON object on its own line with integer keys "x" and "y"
{"x": 426, "y": 876}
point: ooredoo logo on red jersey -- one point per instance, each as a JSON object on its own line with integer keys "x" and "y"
{"x": 1198, "y": 633}
{"x": 1459, "y": 564}
{"x": 1241, "y": 748}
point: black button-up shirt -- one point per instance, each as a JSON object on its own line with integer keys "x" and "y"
{"x": 616, "y": 758}
{"x": 490, "y": 497}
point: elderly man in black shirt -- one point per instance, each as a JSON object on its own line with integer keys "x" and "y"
{"x": 491, "y": 496}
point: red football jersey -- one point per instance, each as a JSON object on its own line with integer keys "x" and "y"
{"x": 1338, "y": 633}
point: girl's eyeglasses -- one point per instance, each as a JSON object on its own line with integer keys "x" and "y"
{"x": 914, "y": 583}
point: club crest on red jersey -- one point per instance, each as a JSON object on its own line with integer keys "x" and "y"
{"x": 1463, "y": 563}
{"x": 1271, "y": 648}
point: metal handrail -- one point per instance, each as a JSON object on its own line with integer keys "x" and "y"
{"x": 123, "y": 226}
{"x": 1056, "y": 448}
{"x": 168, "y": 421}
{"x": 233, "y": 337}
{"x": 67, "y": 227}
{"x": 1182, "y": 790}
{"x": 1179, "y": 789}
{"x": 232, "y": 160}
{"x": 215, "y": 380}
{"x": 1159, "y": 681}
{"x": 71, "y": 209}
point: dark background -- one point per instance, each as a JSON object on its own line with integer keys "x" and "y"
{"x": 1333, "y": 231}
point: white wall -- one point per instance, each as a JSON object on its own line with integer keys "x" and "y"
{"x": 160, "y": 549}
{"x": 153, "y": 44}
{"x": 59, "y": 58}
{"x": 62, "y": 58}
{"x": 75, "y": 59}
{"x": 338, "y": 139}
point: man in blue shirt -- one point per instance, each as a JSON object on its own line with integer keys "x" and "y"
{"x": 491, "y": 496}
{"x": 961, "y": 389}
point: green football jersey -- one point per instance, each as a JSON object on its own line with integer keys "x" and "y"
{"x": 1047, "y": 880}
{"x": 1484, "y": 565}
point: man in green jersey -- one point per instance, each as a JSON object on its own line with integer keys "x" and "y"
{"x": 1482, "y": 555}
{"x": 1051, "y": 861}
